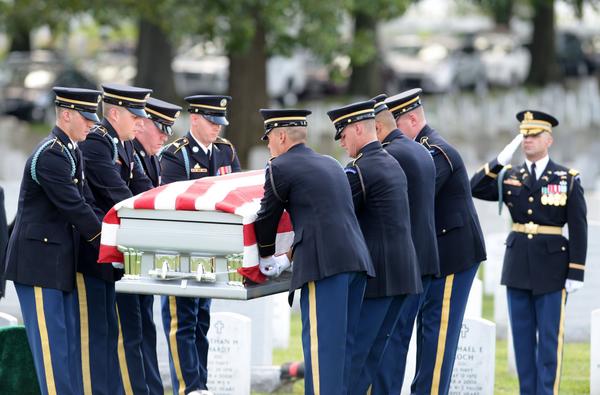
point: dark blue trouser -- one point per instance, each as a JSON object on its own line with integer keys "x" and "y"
{"x": 99, "y": 336}
{"x": 330, "y": 312}
{"x": 186, "y": 322}
{"x": 538, "y": 360}
{"x": 51, "y": 323}
{"x": 390, "y": 373}
{"x": 378, "y": 318}
{"x": 137, "y": 345}
{"x": 438, "y": 328}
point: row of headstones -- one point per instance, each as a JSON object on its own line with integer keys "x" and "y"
{"x": 243, "y": 334}
{"x": 243, "y": 339}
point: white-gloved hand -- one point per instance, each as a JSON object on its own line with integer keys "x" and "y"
{"x": 118, "y": 265}
{"x": 507, "y": 153}
{"x": 283, "y": 263}
{"x": 572, "y": 285}
{"x": 268, "y": 266}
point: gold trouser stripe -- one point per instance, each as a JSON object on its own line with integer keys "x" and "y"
{"x": 123, "y": 360}
{"x": 370, "y": 389}
{"x": 43, "y": 330}
{"x": 441, "y": 345}
{"x": 84, "y": 329}
{"x": 559, "y": 348}
{"x": 173, "y": 344}
{"x": 314, "y": 338}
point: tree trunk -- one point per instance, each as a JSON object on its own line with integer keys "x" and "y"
{"x": 20, "y": 39}
{"x": 366, "y": 73}
{"x": 502, "y": 11}
{"x": 154, "y": 56}
{"x": 544, "y": 67}
{"x": 248, "y": 89}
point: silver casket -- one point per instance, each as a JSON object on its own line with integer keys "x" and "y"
{"x": 186, "y": 253}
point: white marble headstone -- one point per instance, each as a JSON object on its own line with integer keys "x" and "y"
{"x": 475, "y": 358}
{"x": 260, "y": 312}
{"x": 595, "y": 353}
{"x": 281, "y": 320}
{"x": 229, "y": 354}
{"x": 475, "y": 302}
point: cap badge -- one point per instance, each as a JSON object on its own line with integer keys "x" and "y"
{"x": 528, "y": 116}
{"x": 223, "y": 102}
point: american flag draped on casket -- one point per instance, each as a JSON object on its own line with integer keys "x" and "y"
{"x": 237, "y": 193}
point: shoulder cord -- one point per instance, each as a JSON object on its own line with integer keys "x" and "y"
{"x": 36, "y": 156}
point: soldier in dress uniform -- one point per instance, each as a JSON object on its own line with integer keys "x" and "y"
{"x": 540, "y": 265}
{"x": 417, "y": 164}
{"x": 137, "y": 324}
{"x": 113, "y": 176}
{"x": 379, "y": 192}
{"x": 331, "y": 260}
{"x": 440, "y": 317}
{"x": 42, "y": 253}
{"x": 200, "y": 153}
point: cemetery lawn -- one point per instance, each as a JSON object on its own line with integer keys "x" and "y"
{"x": 575, "y": 371}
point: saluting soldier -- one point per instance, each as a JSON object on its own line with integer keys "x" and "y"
{"x": 42, "y": 252}
{"x": 137, "y": 324}
{"x": 200, "y": 153}
{"x": 331, "y": 260}
{"x": 417, "y": 164}
{"x": 379, "y": 193}
{"x": 540, "y": 265}
{"x": 461, "y": 249}
{"x": 113, "y": 176}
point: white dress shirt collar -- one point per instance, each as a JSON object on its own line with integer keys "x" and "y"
{"x": 540, "y": 166}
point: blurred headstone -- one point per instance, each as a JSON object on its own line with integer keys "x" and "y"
{"x": 475, "y": 301}
{"x": 411, "y": 362}
{"x": 229, "y": 354}
{"x": 281, "y": 320}
{"x": 474, "y": 365}
{"x": 260, "y": 313}
{"x": 595, "y": 353}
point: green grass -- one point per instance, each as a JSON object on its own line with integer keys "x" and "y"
{"x": 575, "y": 371}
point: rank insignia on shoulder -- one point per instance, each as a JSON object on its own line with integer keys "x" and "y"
{"x": 573, "y": 172}
{"x": 513, "y": 182}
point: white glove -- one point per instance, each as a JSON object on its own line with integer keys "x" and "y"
{"x": 283, "y": 263}
{"x": 268, "y": 266}
{"x": 507, "y": 153}
{"x": 118, "y": 265}
{"x": 572, "y": 285}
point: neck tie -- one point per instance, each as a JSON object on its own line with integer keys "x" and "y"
{"x": 533, "y": 171}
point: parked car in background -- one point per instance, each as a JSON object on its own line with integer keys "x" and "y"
{"x": 506, "y": 60}
{"x": 26, "y": 79}
{"x": 571, "y": 58}
{"x": 438, "y": 64}
{"x": 204, "y": 69}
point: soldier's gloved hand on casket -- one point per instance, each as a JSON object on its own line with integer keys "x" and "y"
{"x": 507, "y": 153}
{"x": 572, "y": 285}
{"x": 283, "y": 263}
{"x": 268, "y": 266}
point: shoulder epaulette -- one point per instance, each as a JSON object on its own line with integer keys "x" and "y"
{"x": 573, "y": 172}
{"x": 50, "y": 144}
{"x": 178, "y": 145}
{"x": 221, "y": 140}
{"x": 426, "y": 144}
{"x": 98, "y": 128}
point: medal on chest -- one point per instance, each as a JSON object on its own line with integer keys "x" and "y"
{"x": 555, "y": 194}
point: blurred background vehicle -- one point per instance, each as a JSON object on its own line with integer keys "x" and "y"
{"x": 26, "y": 79}
{"x": 570, "y": 56}
{"x": 506, "y": 60}
{"x": 203, "y": 68}
{"x": 438, "y": 64}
